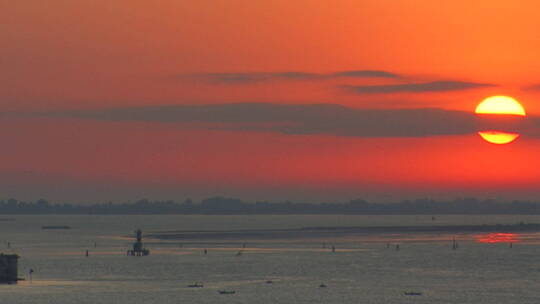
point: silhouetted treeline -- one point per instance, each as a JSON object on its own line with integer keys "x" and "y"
{"x": 222, "y": 205}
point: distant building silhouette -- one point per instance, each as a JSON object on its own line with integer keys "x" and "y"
{"x": 8, "y": 268}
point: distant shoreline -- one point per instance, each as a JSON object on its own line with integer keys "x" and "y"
{"x": 234, "y": 206}
{"x": 316, "y": 232}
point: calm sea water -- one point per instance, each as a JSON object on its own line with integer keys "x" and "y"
{"x": 362, "y": 270}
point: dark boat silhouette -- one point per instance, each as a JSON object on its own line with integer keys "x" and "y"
{"x": 56, "y": 227}
{"x": 226, "y": 291}
{"x": 196, "y": 285}
{"x": 412, "y": 293}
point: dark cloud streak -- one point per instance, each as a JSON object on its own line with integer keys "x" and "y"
{"x": 535, "y": 87}
{"x": 434, "y": 86}
{"x": 366, "y": 73}
{"x": 329, "y": 119}
{"x": 254, "y": 77}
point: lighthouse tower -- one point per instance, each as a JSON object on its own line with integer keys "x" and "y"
{"x": 138, "y": 249}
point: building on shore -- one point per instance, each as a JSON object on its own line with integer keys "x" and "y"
{"x": 8, "y": 268}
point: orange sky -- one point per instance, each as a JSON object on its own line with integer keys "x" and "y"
{"x": 62, "y": 55}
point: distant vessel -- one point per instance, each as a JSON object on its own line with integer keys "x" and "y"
{"x": 226, "y": 291}
{"x": 196, "y": 285}
{"x": 56, "y": 227}
{"x": 412, "y": 293}
{"x": 138, "y": 249}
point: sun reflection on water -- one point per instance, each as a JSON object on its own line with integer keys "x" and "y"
{"x": 498, "y": 238}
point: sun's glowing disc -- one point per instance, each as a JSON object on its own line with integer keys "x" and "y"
{"x": 500, "y": 105}
{"x": 498, "y": 138}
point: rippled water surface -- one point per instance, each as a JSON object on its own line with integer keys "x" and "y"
{"x": 364, "y": 268}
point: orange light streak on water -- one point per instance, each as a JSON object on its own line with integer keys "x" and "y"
{"x": 498, "y": 238}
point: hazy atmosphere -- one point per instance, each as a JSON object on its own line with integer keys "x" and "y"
{"x": 329, "y": 101}
{"x": 269, "y": 151}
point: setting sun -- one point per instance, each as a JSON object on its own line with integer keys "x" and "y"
{"x": 500, "y": 105}
{"x": 498, "y": 138}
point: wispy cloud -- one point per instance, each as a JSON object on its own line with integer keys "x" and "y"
{"x": 534, "y": 87}
{"x": 434, "y": 86}
{"x": 365, "y": 73}
{"x": 253, "y": 77}
{"x": 330, "y": 119}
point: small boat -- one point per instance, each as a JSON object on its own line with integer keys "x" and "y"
{"x": 196, "y": 285}
{"x": 412, "y": 293}
{"x": 56, "y": 227}
{"x": 226, "y": 291}
{"x": 269, "y": 282}
{"x": 322, "y": 286}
